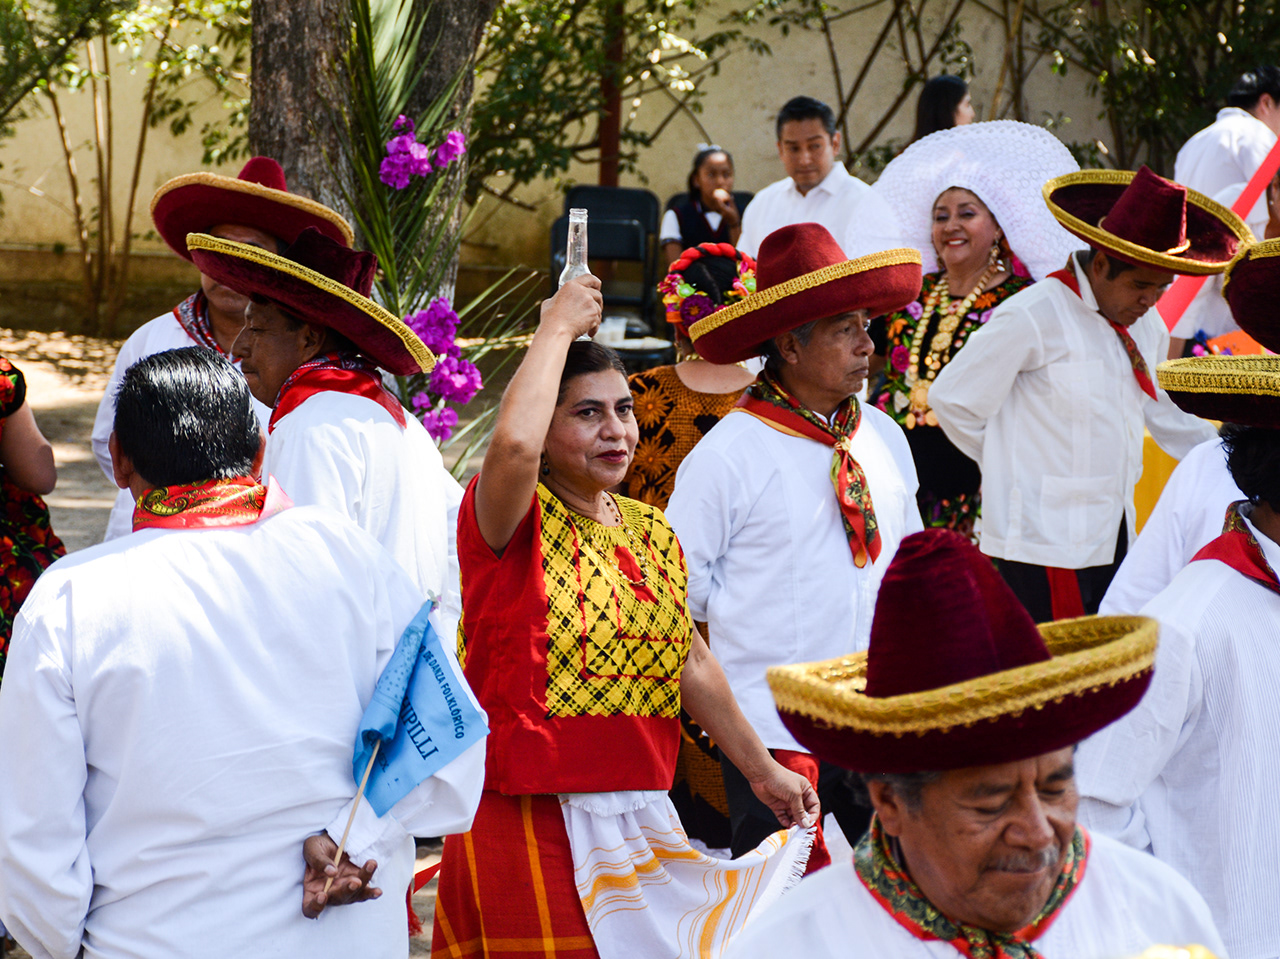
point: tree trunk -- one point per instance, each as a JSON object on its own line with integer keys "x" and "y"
{"x": 297, "y": 46}
{"x": 450, "y": 39}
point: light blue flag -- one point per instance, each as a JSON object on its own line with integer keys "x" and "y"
{"x": 422, "y": 714}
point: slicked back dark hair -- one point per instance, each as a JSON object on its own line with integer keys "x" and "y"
{"x": 587, "y": 357}
{"x": 806, "y": 108}
{"x": 1253, "y": 457}
{"x": 185, "y": 416}
{"x": 1246, "y": 91}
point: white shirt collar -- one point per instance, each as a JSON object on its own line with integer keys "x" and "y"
{"x": 830, "y": 183}
{"x": 1226, "y": 112}
{"x": 1086, "y": 289}
{"x": 1270, "y": 548}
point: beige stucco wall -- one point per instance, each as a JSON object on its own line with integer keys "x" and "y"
{"x": 738, "y": 109}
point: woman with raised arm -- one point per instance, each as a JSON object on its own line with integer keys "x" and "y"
{"x": 577, "y": 639}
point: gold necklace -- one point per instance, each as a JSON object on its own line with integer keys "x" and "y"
{"x": 950, "y": 313}
{"x": 606, "y": 553}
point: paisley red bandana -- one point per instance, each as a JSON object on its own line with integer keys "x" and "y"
{"x": 1239, "y": 549}
{"x": 193, "y": 315}
{"x": 216, "y": 503}
{"x": 333, "y": 372}
{"x": 767, "y": 401}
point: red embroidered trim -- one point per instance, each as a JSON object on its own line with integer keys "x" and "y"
{"x": 334, "y": 373}
{"x": 1240, "y": 549}
{"x": 192, "y": 315}
{"x": 217, "y": 503}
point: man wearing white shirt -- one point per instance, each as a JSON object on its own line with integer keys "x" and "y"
{"x": 1051, "y": 396}
{"x": 818, "y": 189}
{"x": 1218, "y": 162}
{"x": 312, "y": 349}
{"x": 181, "y": 707}
{"x": 782, "y": 566}
{"x": 255, "y": 208}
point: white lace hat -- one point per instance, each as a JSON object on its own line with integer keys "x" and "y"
{"x": 1006, "y": 164}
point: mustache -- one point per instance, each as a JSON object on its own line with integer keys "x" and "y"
{"x": 1029, "y": 862}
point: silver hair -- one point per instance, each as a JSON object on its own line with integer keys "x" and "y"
{"x": 773, "y": 358}
{"x": 906, "y": 786}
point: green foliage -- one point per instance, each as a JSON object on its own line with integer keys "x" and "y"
{"x": 540, "y": 67}
{"x": 37, "y": 37}
{"x": 1160, "y": 68}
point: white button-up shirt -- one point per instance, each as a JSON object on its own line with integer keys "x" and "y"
{"x": 1189, "y": 515}
{"x": 1193, "y": 773}
{"x": 1044, "y": 399}
{"x": 859, "y": 219}
{"x": 770, "y": 567}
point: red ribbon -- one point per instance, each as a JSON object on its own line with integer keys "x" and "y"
{"x": 1140, "y": 371}
{"x": 334, "y": 374}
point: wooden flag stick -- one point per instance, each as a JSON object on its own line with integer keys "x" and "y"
{"x": 337, "y": 858}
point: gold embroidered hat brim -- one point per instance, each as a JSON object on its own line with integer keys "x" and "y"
{"x": 1233, "y": 389}
{"x": 1099, "y": 667}
{"x": 1205, "y": 217}
{"x": 379, "y": 333}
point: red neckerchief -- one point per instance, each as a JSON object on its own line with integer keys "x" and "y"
{"x": 215, "y": 503}
{"x": 768, "y": 402}
{"x": 1140, "y": 372}
{"x": 192, "y": 315}
{"x": 334, "y": 373}
{"x": 1240, "y": 549}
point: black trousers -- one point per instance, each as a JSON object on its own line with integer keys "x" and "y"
{"x": 1032, "y": 584}
{"x": 840, "y": 792}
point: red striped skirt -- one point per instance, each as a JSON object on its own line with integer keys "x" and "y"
{"x": 506, "y": 887}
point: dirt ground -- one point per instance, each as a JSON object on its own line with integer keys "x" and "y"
{"x": 66, "y": 377}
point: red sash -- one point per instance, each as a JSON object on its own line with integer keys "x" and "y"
{"x": 1239, "y": 549}
{"x": 213, "y": 504}
{"x": 332, "y": 373}
{"x": 1140, "y": 371}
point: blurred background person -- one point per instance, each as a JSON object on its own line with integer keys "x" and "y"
{"x": 711, "y": 212}
{"x": 969, "y": 199}
{"x": 944, "y": 103}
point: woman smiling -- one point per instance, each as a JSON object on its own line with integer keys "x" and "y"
{"x": 577, "y": 639}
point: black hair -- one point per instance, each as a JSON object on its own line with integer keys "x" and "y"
{"x": 700, "y": 158}
{"x": 185, "y": 416}
{"x": 806, "y": 108}
{"x": 1246, "y": 91}
{"x": 587, "y": 357}
{"x": 1253, "y": 457}
{"x": 1115, "y": 265}
{"x": 773, "y": 356}
{"x": 936, "y": 108}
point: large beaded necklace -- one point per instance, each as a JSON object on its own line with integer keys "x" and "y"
{"x": 950, "y": 313}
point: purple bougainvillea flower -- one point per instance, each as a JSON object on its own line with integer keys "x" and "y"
{"x": 455, "y": 380}
{"x": 454, "y": 145}
{"x": 899, "y": 358}
{"x": 436, "y": 326}
{"x": 440, "y": 423}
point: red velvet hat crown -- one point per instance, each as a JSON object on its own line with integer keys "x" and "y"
{"x": 957, "y": 675}
{"x": 1146, "y": 220}
{"x": 321, "y": 282}
{"x": 803, "y": 275}
{"x": 258, "y": 197}
{"x": 1250, "y": 287}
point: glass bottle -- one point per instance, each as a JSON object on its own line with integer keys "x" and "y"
{"x": 575, "y": 260}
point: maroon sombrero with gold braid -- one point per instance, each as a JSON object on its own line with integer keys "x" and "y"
{"x": 803, "y": 275}
{"x": 964, "y": 679}
{"x": 258, "y": 197}
{"x": 1146, "y": 220}
{"x": 1250, "y": 286}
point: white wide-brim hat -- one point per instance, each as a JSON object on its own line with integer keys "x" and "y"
{"x": 1005, "y": 164}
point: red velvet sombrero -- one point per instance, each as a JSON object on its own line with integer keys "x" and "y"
{"x": 1250, "y": 286}
{"x": 965, "y": 679}
{"x": 1234, "y": 389}
{"x": 803, "y": 275}
{"x": 321, "y": 282}
{"x": 258, "y": 197}
{"x": 1147, "y": 220}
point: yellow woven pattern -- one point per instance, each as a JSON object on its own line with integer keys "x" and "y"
{"x": 1175, "y": 264}
{"x": 303, "y": 203}
{"x": 1254, "y": 251}
{"x": 613, "y": 649}
{"x": 799, "y": 284}
{"x": 243, "y": 251}
{"x": 1088, "y": 653}
{"x": 1249, "y": 375}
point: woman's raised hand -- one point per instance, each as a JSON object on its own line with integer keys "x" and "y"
{"x": 575, "y": 309}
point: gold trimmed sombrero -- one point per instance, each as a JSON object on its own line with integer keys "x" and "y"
{"x": 1250, "y": 285}
{"x": 258, "y": 197}
{"x": 965, "y": 679}
{"x": 323, "y": 283}
{"x": 1146, "y": 220}
{"x": 1234, "y": 389}
{"x": 803, "y": 275}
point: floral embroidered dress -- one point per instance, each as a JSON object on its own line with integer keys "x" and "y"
{"x": 28, "y": 545}
{"x": 949, "y": 481}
